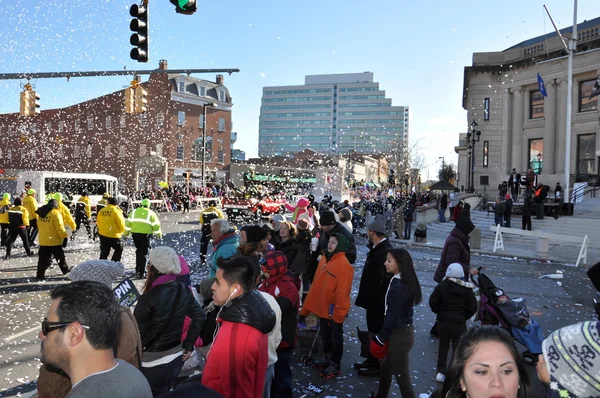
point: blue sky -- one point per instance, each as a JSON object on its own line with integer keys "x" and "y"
{"x": 417, "y": 50}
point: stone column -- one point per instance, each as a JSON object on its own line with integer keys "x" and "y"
{"x": 561, "y": 110}
{"x": 549, "y": 129}
{"x": 517, "y": 128}
{"x": 506, "y": 162}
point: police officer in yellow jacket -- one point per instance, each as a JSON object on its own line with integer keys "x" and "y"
{"x": 83, "y": 213}
{"x": 142, "y": 223}
{"x": 111, "y": 226}
{"x": 66, "y": 214}
{"x": 4, "y": 223}
{"x": 31, "y": 204}
{"x": 19, "y": 221}
{"x": 52, "y": 235}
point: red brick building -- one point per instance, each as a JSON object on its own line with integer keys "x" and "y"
{"x": 97, "y": 136}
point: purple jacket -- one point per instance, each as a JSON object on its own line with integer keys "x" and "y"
{"x": 456, "y": 250}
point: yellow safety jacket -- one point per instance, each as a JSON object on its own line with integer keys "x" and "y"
{"x": 142, "y": 221}
{"x": 31, "y": 204}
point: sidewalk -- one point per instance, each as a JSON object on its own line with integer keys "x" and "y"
{"x": 522, "y": 249}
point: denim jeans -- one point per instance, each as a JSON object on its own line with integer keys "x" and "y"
{"x": 499, "y": 220}
{"x": 407, "y": 229}
{"x": 282, "y": 382}
{"x": 442, "y": 215}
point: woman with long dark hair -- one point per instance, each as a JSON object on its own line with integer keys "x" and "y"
{"x": 486, "y": 363}
{"x": 397, "y": 334}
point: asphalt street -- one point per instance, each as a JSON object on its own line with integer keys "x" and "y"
{"x": 24, "y": 302}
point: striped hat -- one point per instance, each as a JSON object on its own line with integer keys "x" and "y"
{"x": 572, "y": 356}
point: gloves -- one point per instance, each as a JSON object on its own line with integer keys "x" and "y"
{"x": 378, "y": 349}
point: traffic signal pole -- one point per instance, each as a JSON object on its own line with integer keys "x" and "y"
{"x": 69, "y": 75}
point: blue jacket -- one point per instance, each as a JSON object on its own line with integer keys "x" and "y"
{"x": 225, "y": 247}
{"x": 399, "y": 312}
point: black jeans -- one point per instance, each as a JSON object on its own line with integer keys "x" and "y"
{"x": 22, "y": 233}
{"x": 161, "y": 377}
{"x": 375, "y": 321}
{"x": 526, "y": 223}
{"x": 449, "y": 333}
{"x": 204, "y": 241}
{"x": 45, "y": 259}
{"x": 83, "y": 218}
{"x": 4, "y": 234}
{"x": 332, "y": 335}
{"x": 142, "y": 247}
{"x": 111, "y": 243}
{"x": 281, "y": 387}
{"x": 407, "y": 229}
{"x": 539, "y": 211}
{"x": 33, "y": 231}
{"x": 507, "y": 221}
{"x": 400, "y": 343}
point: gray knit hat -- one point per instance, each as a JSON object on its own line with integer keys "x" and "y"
{"x": 102, "y": 271}
{"x": 378, "y": 224}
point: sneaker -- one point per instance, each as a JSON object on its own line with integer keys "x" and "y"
{"x": 440, "y": 378}
{"x": 333, "y": 370}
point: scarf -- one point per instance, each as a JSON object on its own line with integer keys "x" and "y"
{"x": 161, "y": 280}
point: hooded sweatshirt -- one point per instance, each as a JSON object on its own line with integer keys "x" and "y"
{"x": 329, "y": 294}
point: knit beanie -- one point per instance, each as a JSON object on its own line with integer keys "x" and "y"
{"x": 165, "y": 260}
{"x": 378, "y": 224}
{"x": 464, "y": 222}
{"x": 101, "y": 271}
{"x": 327, "y": 218}
{"x": 507, "y": 196}
{"x": 455, "y": 270}
{"x": 572, "y": 356}
{"x": 274, "y": 263}
{"x": 255, "y": 233}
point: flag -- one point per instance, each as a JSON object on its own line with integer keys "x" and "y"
{"x": 596, "y": 89}
{"x": 542, "y": 86}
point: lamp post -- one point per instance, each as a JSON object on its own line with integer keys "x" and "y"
{"x": 473, "y": 136}
{"x": 207, "y": 105}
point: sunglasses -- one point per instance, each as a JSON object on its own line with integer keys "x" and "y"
{"x": 47, "y": 327}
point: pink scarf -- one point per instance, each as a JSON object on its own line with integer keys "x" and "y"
{"x": 161, "y": 280}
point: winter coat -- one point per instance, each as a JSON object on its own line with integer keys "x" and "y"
{"x": 499, "y": 208}
{"x": 224, "y": 247}
{"x": 527, "y": 205}
{"x": 508, "y": 206}
{"x": 398, "y": 308}
{"x": 53, "y": 383}
{"x": 330, "y": 287}
{"x": 31, "y": 205}
{"x": 374, "y": 283}
{"x": 453, "y": 301}
{"x": 409, "y": 213}
{"x": 456, "y": 250}
{"x": 300, "y": 264}
{"x": 207, "y": 215}
{"x": 444, "y": 201}
{"x": 67, "y": 217}
{"x": 85, "y": 202}
{"x": 154, "y": 309}
{"x": 52, "y": 231}
{"x": 284, "y": 288}
{"x": 237, "y": 362}
{"x": 4, "y": 206}
{"x": 18, "y": 216}
{"x": 111, "y": 223}
{"x": 289, "y": 248}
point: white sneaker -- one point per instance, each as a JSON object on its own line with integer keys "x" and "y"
{"x": 440, "y": 378}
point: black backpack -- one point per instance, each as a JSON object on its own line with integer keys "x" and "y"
{"x": 207, "y": 218}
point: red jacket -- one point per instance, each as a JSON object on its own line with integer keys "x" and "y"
{"x": 237, "y": 362}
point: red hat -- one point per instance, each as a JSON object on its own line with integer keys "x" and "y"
{"x": 507, "y": 196}
{"x": 274, "y": 263}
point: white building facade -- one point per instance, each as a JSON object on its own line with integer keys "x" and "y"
{"x": 332, "y": 114}
{"x": 522, "y": 129}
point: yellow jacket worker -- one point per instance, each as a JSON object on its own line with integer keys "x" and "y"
{"x": 31, "y": 204}
{"x": 52, "y": 234}
{"x": 64, "y": 212}
{"x": 111, "y": 225}
{"x": 4, "y": 223}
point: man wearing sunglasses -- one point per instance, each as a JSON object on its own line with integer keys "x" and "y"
{"x": 78, "y": 337}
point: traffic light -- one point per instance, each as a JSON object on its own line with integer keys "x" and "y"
{"x": 187, "y": 7}
{"x": 129, "y": 100}
{"x": 139, "y": 25}
{"x": 140, "y": 99}
{"x": 34, "y": 101}
{"x": 25, "y": 108}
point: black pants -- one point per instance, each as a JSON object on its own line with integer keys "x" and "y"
{"x": 507, "y": 221}
{"x": 12, "y": 237}
{"x": 539, "y": 211}
{"x": 82, "y": 218}
{"x": 375, "y": 321}
{"x": 111, "y": 243}
{"x": 281, "y": 387}
{"x": 397, "y": 364}
{"x": 142, "y": 247}
{"x": 204, "y": 241}
{"x": 45, "y": 259}
{"x": 161, "y": 377}
{"x": 4, "y": 234}
{"x": 33, "y": 231}
{"x": 332, "y": 335}
{"x": 526, "y": 223}
{"x": 449, "y": 333}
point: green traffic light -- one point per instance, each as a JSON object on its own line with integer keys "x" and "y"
{"x": 184, "y": 6}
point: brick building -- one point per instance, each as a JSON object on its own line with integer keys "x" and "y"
{"x": 97, "y": 136}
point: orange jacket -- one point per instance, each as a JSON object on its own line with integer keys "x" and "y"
{"x": 331, "y": 286}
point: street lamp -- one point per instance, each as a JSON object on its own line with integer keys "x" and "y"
{"x": 207, "y": 105}
{"x": 473, "y": 136}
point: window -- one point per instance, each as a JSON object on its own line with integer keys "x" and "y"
{"x": 123, "y": 122}
{"x": 60, "y": 152}
{"x": 108, "y": 122}
{"x": 586, "y": 154}
{"x": 143, "y": 150}
{"x": 181, "y": 118}
{"x": 221, "y": 156}
{"x": 160, "y": 120}
{"x": 48, "y": 126}
{"x": 159, "y": 149}
{"x": 122, "y": 151}
{"x": 181, "y": 87}
{"x": 77, "y": 125}
{"x": 221, "y": 124}
{"x": 222, "y": 95}
{"x": 76, "y": 151}
{"x": 197, "y": 149}
{"x": 144, "y": 120}
{"x": 536, "y": 105}
{"x": 486, "y": 152}
{"x": 587, "y": 103}
{"x": 486, "y": 109}
{"x": 201, "y": 122}
{"x": 88, "y": 151}
{"x": 61, "y": 126}
{"x": 180, "y": 151}
{"x": 202, "y": 91}
{"x": 107, "y": 149}
{"x": 536, "y": 155}
{"x": 90, "y": 123}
